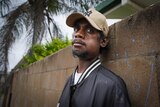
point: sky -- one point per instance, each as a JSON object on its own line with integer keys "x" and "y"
{"x": 19, "y": 48}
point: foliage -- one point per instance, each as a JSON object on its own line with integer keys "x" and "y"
{"x": 39, "y": 51}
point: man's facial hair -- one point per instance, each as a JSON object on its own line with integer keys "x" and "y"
{"x": 83, "y": 55}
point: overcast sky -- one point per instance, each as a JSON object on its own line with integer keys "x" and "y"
{"x": 19, "y": 48}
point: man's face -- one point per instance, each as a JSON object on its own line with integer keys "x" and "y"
{"x": 86, "y": 40}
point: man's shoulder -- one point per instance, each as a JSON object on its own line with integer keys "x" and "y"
{"x": 104, "y": 74}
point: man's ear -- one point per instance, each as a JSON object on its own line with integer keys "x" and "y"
{"x": 104, "y": 42}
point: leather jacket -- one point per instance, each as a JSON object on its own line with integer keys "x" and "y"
{"x": 102, "y": 88}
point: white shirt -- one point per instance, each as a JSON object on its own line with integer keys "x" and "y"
{"x": 77, "y": 76}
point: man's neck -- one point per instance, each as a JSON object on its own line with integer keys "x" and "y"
{"x": 83, "y": 64}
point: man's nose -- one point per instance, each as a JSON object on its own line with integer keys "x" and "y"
{"x": 79, "y": 34}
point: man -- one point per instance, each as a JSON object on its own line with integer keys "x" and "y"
{"x": 91, "y": 85}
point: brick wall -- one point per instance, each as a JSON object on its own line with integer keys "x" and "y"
{"x": 134, "y": 54}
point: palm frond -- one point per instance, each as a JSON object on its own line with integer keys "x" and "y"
{"x": 83, "y": 5}
{"x": 53, "y": 6}
{"x": 9, "y": 32}
{"x": 42, "y": 19}
{"x": 4, "y": 6}
{"x": 37, "y": 21}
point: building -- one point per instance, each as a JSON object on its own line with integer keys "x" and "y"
{"x": 119, "y": 9}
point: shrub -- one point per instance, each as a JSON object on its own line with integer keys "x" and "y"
{"x": 39, "y": 51}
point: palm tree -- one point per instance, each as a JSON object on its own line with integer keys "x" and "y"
{"x": 37, "y": 17}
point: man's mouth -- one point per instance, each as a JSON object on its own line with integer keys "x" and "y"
{"x": 76, "y": 42}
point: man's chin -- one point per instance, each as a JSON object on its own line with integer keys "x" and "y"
{"x": 79, "y": 54}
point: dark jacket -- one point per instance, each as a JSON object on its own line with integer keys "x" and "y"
{"x": 101, "y": 88}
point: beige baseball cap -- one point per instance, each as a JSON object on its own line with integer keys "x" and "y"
{"x": 95, "y": 18}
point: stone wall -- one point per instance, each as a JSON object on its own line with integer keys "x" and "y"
{"x": 133, "y": 54}
{"x": 40, "y": 84}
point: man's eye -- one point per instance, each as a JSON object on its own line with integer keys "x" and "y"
{"x": 75, "y": 29}
{"x": 90, "y": 30}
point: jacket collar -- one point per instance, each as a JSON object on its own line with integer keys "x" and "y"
{"x": 87, "y": 72}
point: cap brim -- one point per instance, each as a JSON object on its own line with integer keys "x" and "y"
{"x": 71, "y": 19}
